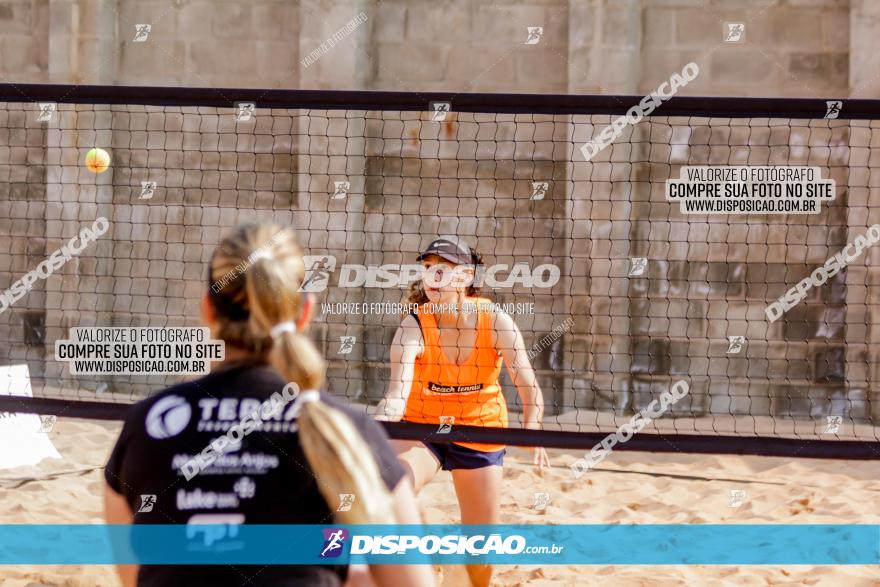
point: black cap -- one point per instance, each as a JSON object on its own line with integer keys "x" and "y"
{"x": 449, "y": 248}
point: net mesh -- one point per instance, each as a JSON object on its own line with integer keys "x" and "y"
{"x": 646, "y": 295}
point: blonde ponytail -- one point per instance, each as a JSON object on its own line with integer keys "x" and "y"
{"x": 297, "y": 359}
{"x": 343, "y": 464}
{"x": 336, "y": 451}
{"x": 248, "y": 311}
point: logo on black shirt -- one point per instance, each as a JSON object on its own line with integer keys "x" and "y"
{"x": 214, "y": 528}
{"x": 437, "y": 388}
{"x": 245, "y": 488}
{"x": 168, "y": 417}
{"x": 206, "y": 500}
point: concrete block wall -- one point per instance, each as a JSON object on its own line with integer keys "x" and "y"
{"x": 470, "y": 46}
{"x": 25, "y": 231}
{"x": 412, "y": 179}
{"x": 789, "y": 49}
{"x": 711, "y": 277}
{"x": 24, "y": 31}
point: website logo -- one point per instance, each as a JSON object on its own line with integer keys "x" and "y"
{"x": 141, "y": 32}
{"x": 147, "y": 503}
{"x": 246, "y": 111}
{"x": 346, "y": 500}
{"x": 334, "y": 542}
{"x": 396, "y": 275}
{"x": 318, "y": 270}
{"x": 439, "y": 111}
{"x": 832, "y": 109}
{"x": 542, "y": 500}
{"x": 645, "y": 107}
{"x": 331, "y": 41}
{"x": 735, "y": 344}
{"x": 823, "y": 273}
{"x": 47, "y": 423}
{"x": 53, "y": 263}
{"x": 736, "y": 498}
{"x": 475, "y": 545}
{"x": 341, "y": 189}
{"x": 534, "y": 35}
{"x": 346, "y": 344}
{"x": 446, "y": 423}
{"x": 253, "y": 415}
{"x": 735, "y": 32}
{"x": 627, "y": 430}
{"x": 637, "y": 266}
{"x": 833, "y": 424}
{"x": 539, "y": 189}
{"x": 47, "y": 110}
{"x": 147, "y": 189}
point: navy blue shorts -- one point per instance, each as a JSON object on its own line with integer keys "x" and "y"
{"x": 453, "y": 456}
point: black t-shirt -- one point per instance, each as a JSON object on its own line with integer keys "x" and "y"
{"x": 266, "y": 481}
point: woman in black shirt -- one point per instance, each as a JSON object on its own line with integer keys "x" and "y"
{"x": 287, "y": 465}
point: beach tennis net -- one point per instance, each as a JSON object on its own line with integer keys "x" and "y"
{"x": 619, "y": 289}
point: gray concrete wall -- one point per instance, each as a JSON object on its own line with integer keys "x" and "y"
{"x": 471, "y": 174}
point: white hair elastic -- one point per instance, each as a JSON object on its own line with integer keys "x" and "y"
{"x": 304, "y": 397}
{"x": 309, "y": 395}
{"x": 279, "y": 329}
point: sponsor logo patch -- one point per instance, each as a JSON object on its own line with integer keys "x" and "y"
{"x": 437, "y": 388}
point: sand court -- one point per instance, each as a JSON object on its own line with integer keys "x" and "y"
{"x": 628, "y": 488}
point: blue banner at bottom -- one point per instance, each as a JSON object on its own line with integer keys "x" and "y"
{"x": 667, "y": 544}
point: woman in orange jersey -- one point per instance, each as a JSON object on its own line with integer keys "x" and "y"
{"x": 445, "y": 363}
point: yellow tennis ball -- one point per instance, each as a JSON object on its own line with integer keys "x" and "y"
{"x": 97, "y": 160}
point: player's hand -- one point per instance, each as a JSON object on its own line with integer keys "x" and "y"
{"x": 389, "y": 411}
{"x": 540, "y": 459}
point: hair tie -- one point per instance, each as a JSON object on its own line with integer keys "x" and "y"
{"x": 304, "y": 397}
{"x": 279, "y": 329}
{"x": 309, "y": 395}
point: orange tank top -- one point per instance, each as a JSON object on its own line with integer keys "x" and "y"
{"x": 469, "y": 393}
